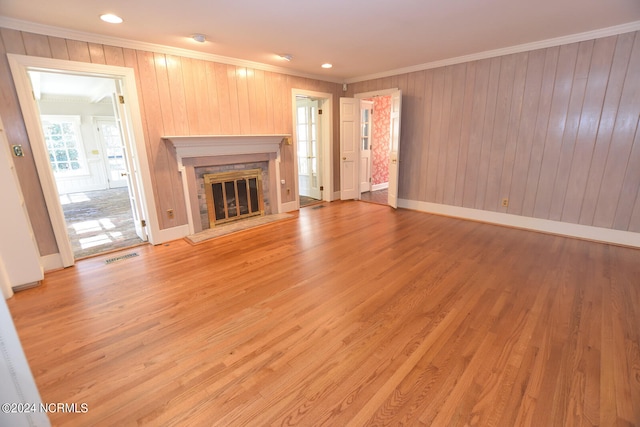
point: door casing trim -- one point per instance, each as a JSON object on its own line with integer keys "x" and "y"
{"x": 20, "y": 65}
{"x": 326, "y": 104}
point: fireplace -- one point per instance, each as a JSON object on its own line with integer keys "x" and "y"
{"x": 207, "y": 154}
{"x": 233, "y": 195}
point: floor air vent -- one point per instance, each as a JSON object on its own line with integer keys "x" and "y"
{"x": 120, "y": 258}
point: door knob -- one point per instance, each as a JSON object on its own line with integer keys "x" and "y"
{"x": 344, "y": 158}
{"x": 123, "y": 174}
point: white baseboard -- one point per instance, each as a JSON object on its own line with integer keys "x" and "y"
{"x": 289, "y": 207}
{"x": 328, "y": 196}
{"x": 376, "y": 187}
{"x": 605, "y": 235}
{"x": 51, "y": 262}
{"x": 336, "y": 195}
{"x": 169, "y": 234}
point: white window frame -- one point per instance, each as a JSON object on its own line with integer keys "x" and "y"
{"x": 76, "y": 121}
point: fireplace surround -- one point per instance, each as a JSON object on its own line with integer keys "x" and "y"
{"x": 235, "y": 151}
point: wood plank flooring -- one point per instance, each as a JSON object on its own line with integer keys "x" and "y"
{"x": 350, "y": 314}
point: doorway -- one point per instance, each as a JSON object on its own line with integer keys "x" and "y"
{"x": 365, "y": 174}
{"x": 312, "y": 112}
{"x": 84, "y": 142}
{"x": 375, "y": 148}
{"x": 126, "y": 113}
{"x": 308, "y": 135}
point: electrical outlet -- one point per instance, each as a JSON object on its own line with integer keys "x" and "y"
{"x": 170, "y": 213}
{"x": 505, "y": 202}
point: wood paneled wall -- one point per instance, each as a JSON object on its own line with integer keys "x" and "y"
{"x": 556, "y": 131}
{"x": 178, "y": 96}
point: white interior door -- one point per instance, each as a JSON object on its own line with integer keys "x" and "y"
{"x": 308, "y": 137}
{"x": 131, "y": 173}
{"x": 349, "y": 148}
{"x": 113, "y": 152}
{"x": 394, "y": 162}
{"x": 366, "y": 124}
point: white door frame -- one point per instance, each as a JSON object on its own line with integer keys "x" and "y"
{"x": 20, "y": 65}
{"x": 366, "y": 184}
{"x": 309, "y": 104}
{"x": 326, "y": 142}
{"x": 375, "y": 93}
{"x": 392, "y": 199}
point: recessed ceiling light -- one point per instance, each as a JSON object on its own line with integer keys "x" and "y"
{"x": 111, "y": 18}
{"x": 200, "y": 38}
{"x": 327, "y": 65}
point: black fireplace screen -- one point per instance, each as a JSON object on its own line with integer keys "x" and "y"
{"x": 233, "y": 195}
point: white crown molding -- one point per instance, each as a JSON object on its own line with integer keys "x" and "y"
{"x": 558, "y": 41}
{"x": 16, "y": 24}
{"x": 65, "y": 33}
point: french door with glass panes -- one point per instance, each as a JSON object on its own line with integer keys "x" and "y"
{"x": 114, "y": 155}
{"x": 307, "y": 139}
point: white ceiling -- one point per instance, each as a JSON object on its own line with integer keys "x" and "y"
{"x": 359, "y": 37}
{"x": 92, "y": 89}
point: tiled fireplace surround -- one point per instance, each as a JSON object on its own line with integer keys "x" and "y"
{"x": 197, "y": 155}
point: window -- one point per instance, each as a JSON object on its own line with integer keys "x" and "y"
{"x": 64, "y": 145}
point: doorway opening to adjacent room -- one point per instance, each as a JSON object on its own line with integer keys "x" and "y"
{"x": 313, "y": 147}
{"x": 85, "y": 143}
{"x": 84, "y": 125}
{"x": 369, "y": 146}
{"x": 308, "y": 139}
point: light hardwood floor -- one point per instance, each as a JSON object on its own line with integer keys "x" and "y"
{"x": 350, "y": 314}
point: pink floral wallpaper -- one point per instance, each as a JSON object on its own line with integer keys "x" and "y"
{"x": 381, "y": 124}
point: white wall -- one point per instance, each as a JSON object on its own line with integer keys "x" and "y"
{"x": 18, "y": 386}
{"x": 19, "y": 256}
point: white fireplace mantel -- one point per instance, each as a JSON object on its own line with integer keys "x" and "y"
{"x": 224, "y": 145}
{"x": 211, "y": 146}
